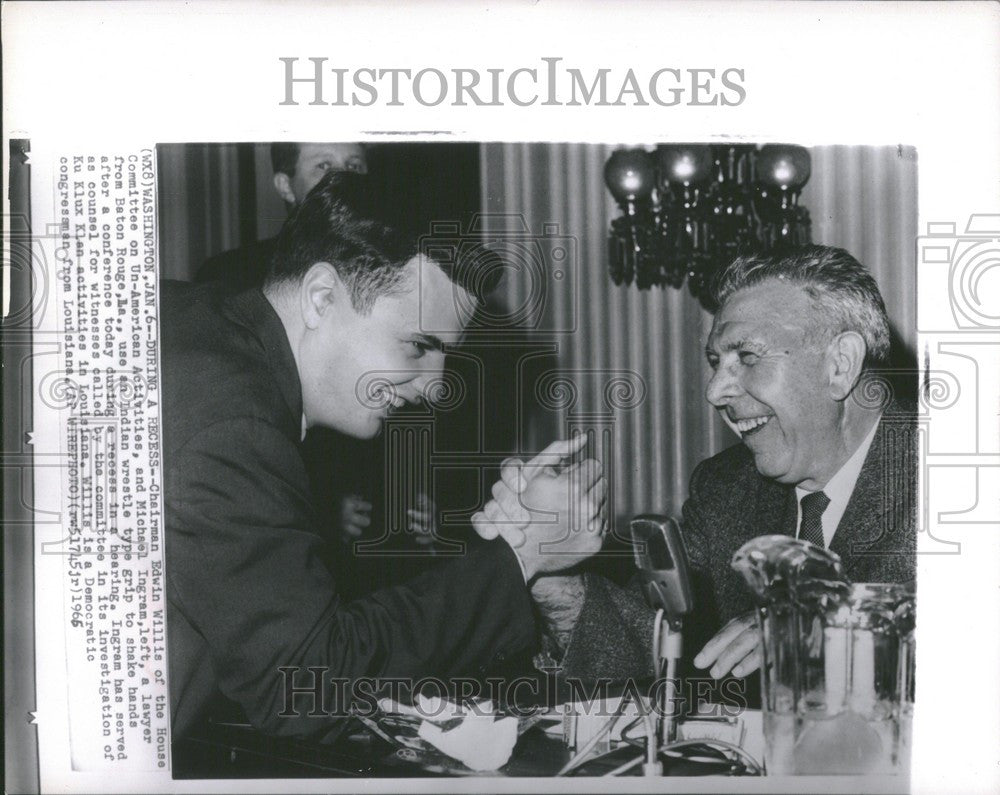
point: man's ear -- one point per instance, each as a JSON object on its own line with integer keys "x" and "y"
{"x": 322, "y": 290}
{"x": 846, "y": 356}
{"x": 283, "y": 185}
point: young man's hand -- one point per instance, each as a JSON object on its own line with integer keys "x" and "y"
{"x": 552, "y": 518}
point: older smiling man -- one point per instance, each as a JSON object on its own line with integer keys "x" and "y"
{"x": 794, "y": 350}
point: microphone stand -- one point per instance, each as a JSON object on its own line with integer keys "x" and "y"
{"x": 660, "y": 556}
{"x": 669, "y": 655}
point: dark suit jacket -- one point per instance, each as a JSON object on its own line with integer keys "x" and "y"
{"x": 335, "y": 464}
{"x": 247, "y": 592}
{"x": 731, "y": 503}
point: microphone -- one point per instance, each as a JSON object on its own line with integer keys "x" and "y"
{"x": 662, "y": 561}
{"x": 661, "y": 558}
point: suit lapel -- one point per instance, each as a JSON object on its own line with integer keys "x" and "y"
{"x": 878, "y": 503}
{"x": 858, "y": 528}
{"x": 775, "y": 510}
{"x": 750, "y": 505}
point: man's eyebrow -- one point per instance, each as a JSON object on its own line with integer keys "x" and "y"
{"x": 431, "y": 341}
{"x": 743, "y": 342}
{"x": 734, "y": 345}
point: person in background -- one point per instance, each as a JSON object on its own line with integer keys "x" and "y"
{"x": 297, "y": 168}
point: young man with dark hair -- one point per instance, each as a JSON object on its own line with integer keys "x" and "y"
{"x": 347, "y": 493}
{"x": 352, "y": 322}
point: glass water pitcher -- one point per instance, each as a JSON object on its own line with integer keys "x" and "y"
{"x": 837, "y": 670}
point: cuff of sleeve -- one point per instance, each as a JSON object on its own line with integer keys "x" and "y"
{"x": 520, "y": 632}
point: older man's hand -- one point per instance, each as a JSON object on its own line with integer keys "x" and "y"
{"x": 553, "y": 519}
{"x": 735, "y": 647}
{"x": 566, "y": 513}
{"x": 505, "y": 515}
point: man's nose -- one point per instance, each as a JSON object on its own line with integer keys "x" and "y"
{"x": 722, "y": 388}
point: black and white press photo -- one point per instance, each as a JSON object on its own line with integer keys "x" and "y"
{"x": 538, "y": 459}
{"x": 500, "y": 397}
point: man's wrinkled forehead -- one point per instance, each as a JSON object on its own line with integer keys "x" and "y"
{"x": 768, "y": 313}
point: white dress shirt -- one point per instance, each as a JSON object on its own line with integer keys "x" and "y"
{"x": 838, "y": 490}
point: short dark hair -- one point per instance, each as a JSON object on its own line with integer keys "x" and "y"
{"x": 284, "y": 158}
{"x": 361, "y": 229}
{"x": 841, "y": 289}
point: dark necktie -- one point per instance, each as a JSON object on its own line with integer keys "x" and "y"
{"x": 811, "y": 529}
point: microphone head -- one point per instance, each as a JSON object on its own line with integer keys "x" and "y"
{"x": 660, "y": 556}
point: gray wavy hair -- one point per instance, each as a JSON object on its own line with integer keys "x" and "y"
{"x": 840, "y": 287}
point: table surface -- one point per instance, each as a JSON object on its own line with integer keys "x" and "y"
{"x": 237, "y": 751}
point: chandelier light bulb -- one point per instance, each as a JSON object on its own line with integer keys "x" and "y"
{"x": 629, "y": 175}
{"x": 783, "y": 166}
{"x": 688, "y": 210}
{"x": 685, "y": 164}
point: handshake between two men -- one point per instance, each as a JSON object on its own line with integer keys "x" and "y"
{"x": 553, "y": 516}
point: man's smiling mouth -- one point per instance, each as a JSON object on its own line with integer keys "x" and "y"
{"x": 746, "y": 426}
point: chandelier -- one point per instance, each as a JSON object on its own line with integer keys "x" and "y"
{"x": 690, "y": 209}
